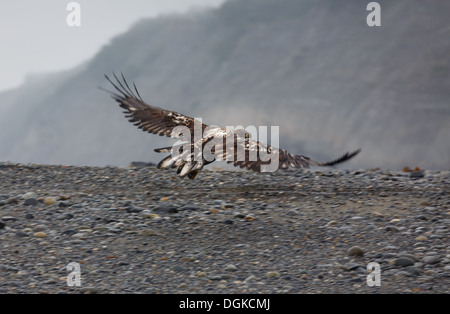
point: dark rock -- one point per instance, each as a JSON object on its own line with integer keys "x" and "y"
{"x": 355, "y": 251}
{"x": 21, "y": 234}
{"x": 69, "y": 232}
{"x": 417, "y": 174}
{"x": 189, "y": 207}
{"x": 2, "y": 225}
{"x": 141, "y": 164}
{"x": 9, "y": 218}
{"x": 30, "y": 201}
{"x": 130, "y": 208}
{"x": 166, "y": 208}
{"x": 404, "y": 261}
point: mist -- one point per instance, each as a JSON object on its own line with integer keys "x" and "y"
{"x": 313, "y": 68}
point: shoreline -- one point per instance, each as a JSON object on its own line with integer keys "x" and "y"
{"x": 144, "y": 230}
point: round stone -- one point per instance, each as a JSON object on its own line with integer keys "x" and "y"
{"x": 355, "y": 251}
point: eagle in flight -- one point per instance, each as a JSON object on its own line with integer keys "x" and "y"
{"x": 188, "y": 155}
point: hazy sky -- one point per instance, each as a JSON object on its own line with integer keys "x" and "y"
{"x": 35, "y": 37}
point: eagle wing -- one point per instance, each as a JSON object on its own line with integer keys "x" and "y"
{"x": 149, "y": 118}
{"x": 159, "y": 121}
{"x": 285, "y": 159}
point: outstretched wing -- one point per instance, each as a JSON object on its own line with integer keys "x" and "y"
{"x": 149, "y": 118}
{"x": 258, "y": 155}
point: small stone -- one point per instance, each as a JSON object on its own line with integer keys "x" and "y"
{"x": 250, "y": 278}
{"x": 421, "y": 238}
{"x": 30, "y": 202}
{"x": 391, "y": 229}
{"x": 355, "y": 251}
{"x": 421, "y": 217}
{"x": 133, "y": 209}
{"x": 49, "y": 200}
{"x": 9, "y": 218}
{"x": 410, "y": 256}
{"x": 40, "y": 234}
{"x": 272, "y": 274}
{"x": 149, "y": 233}
{"x": 189, "y": 207}
{"x": 40, "y": 228}
{"x": 69, "y": 232}
{"x": 88, "y": 290}
{"x": 200, "y": 274}
{"x": 416, "y": 175}
{"x": 28, "y": 195}
{"x": 12, "y": 200}
{"x": 403, "y": 261}
{"x": 2, "y": 225}
{"x": 249, "y": 218}
{"x": 63, "y": 204}
{"x": 431, "y": 259}
{"x": 166, "y": 208}
{"x": 230, "y": 267}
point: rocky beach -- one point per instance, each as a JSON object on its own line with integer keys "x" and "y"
{"x": 144, "y": 230}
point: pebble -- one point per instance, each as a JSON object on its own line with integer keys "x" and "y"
{"x": 9, "y": 218}
{"x": 88, "y": 290}
{"x": 404, "y": 261}
{"x": 49, "y": 201}
{"x": 40, "y": 234}
{"x": 272, "y": 274}
{"x": 431, "y": 259}
{"x": 28, "y": 195}
{"x": 355, "y": 251}
{"x": 30, "y": 202}
{"x": 417, "y": 175}
{"x": 147, "y": 231}
{"x": 165, "y": 208}
{"x": 230, "y": 267}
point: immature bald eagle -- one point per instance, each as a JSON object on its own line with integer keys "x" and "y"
{"x": 188, "y": 156}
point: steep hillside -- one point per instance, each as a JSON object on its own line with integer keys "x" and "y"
{"x": 314, "y": 68}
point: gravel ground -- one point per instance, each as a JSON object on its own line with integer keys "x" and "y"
{"x": 143, "y": 230}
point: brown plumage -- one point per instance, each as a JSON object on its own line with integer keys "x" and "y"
{"x": 159, "y": 121}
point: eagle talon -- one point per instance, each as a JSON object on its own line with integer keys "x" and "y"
{"x": 193, "y": 174}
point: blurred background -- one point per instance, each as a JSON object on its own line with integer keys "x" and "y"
{"x": 313, "y": 67}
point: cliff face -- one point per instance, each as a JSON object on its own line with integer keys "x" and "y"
{"x": 312, "y": 67}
